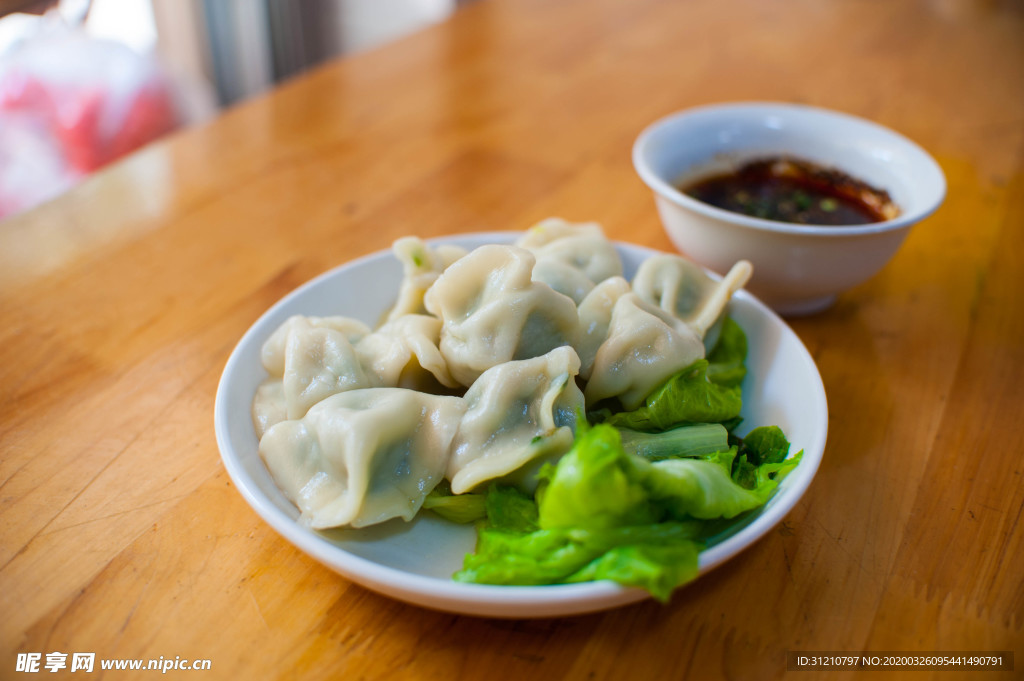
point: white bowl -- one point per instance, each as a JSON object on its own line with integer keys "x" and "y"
{"x": 798, "y": 269}
{"x": 414, "y": 561}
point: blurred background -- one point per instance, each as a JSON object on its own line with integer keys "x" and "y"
{"x": 83, "y": 82}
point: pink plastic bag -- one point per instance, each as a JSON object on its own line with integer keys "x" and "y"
{"x": 77, "y": 100}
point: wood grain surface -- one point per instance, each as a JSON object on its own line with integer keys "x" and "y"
{"x": 121, "y": 534}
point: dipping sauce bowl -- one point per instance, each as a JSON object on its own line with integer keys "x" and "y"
{"x": 798, "y": 268}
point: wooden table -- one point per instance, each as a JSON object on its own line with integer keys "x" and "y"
{"x": 121, "y": 534}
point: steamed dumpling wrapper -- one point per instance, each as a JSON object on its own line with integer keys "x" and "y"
{"x": 519, "y": 415}
{"x": 571, "y": 258}
{"x": 421, "y": 266}
{"x": 403, "y": 353}
{"x": 273, "y": 353}
{"x": 312, "y": 358}
{"x": 656, "y": 329}
{"x": 595, "y": 316}
{"x": 362, "y": 457}
{"x": 308, "y": 359}
{"x": 268, "y": 405}
{"x": 493, "y": 312}
{"x": 644, "y": 347}
{"x": 684, "y": 290}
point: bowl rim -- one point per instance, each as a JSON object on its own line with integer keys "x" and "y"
{"x": 485, "y": 599}
{"x": 665, "y": 189}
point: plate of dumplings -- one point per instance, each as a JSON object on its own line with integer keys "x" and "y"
{"x": 468, "y": 360}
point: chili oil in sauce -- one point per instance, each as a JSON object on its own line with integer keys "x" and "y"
{"x": 794, "y": 191}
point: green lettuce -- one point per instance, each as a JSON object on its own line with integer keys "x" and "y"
{"x": 602, "y": 513}
{"x": 510, "y": 510}
{"x": 727, "y": 361}
{"x": 638, "y": 495}
{"x": 761, "y": 447}
{"x": 461, "y": 508}
{"x": 692, "y": 440}
{"x": 656, "y": 557}
{"x": 767, "y": 444}
{"x": 658, "y": 568}
{"x": 707, "y": 391}
{"x": 705, "y": 488}
{"x": 595, "y": 485}
{"x": 686, "y": 397}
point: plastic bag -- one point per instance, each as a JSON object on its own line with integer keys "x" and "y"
{"x": 70, "y": 104}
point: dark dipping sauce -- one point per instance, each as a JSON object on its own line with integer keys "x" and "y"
{"x": 795, "y": 191}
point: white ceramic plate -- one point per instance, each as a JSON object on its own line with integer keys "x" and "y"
{"x": 413, "y": 561}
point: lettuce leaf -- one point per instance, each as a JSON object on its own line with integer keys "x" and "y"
{"x": 707, "y": 391}
{"x": 656, "y": 557}
{"x": 727, "y": 361}
{"x": 767, "y": 444}
{"x": 635, "y": 498}
{"x": 705, "y": 489}
{"x": 595, "y": 485}
{"x": 658, "y": 568}
{"x": 759, "y": 449}
{"x": 461, "y": 508}
{"x": 692, "y": 440}
{"x": 687, "y": 397}
{"x": 511, "y": 510}
{"x": 602, "y": 513}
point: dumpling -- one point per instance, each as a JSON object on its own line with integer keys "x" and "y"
{"x": 644, "y": 347}
{"x": 404, "y": 353}
{"x": 273, "y": 351}
{"x": 364, "y": 456}
{"x": 595, "y": 315}
{"x": 311, "y": 358}
{"x": 519, "y": 414}
{"x": 314, "y": 357}
{"x": 684, "y": 290}
{"x": 268, "y": 405}
{"x": 571, "y": 258}
{"x": 421, "y": 266}
{"x": 492, "y": 312}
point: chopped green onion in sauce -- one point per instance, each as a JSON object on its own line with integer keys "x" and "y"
{"x": 795, "y": 191}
